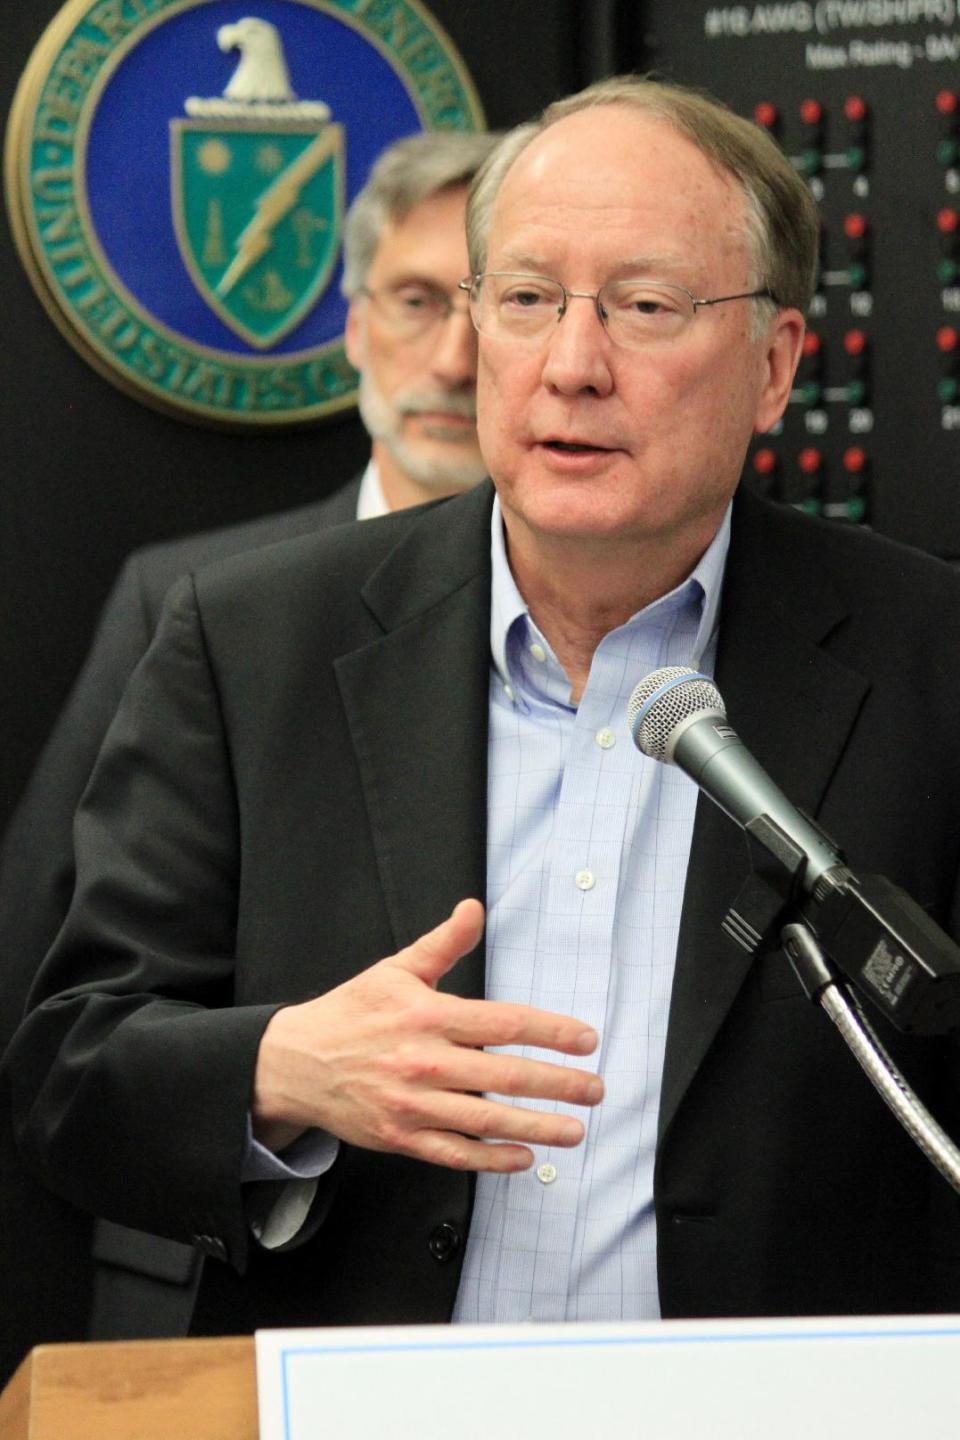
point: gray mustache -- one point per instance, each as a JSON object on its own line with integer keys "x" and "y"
{"x": 444, "y": 403}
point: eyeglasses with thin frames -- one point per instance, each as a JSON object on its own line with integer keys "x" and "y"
{"x": 414, "y": 309}
{"x": 634, "y": 313}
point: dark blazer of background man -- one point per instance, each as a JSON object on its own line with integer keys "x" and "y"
{"x": 294, "y": 789}
{"x": 404, "y": 249}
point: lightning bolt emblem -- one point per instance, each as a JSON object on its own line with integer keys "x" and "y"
{"x": 276, "y": 201}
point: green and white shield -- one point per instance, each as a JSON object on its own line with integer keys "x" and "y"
{"x": 257, "y": 209}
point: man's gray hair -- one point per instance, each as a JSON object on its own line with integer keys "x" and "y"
{"x": 783, "y": 224}
{"x": 404, "y": 175}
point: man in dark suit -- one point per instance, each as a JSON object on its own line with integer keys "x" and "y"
{"x": 404, "y": 252}
{"x": 335, "y": 743}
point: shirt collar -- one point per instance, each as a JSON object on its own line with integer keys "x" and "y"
{"x": 702, "y": 587}
{"x": 371, "y": 501}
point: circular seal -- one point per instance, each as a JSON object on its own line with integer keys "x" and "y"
{"x": 177, "y": 173}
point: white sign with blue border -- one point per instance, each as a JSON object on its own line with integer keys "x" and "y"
{"x": 889, "y": 1378}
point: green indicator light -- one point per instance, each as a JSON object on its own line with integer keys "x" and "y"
{"x": 856, "y": 392}
{"x": 856, "y": 507}
{"x": 810, "y": 506}
{"x": 857, "y": 157}
{"x": 947, "y": 390}
{"x": 946, "y": 152}
{"x": 857, "y": 276}
{"x": 810, "y": 162}
{"x": 947, "y": 272}
{"x": 810, "y": 392}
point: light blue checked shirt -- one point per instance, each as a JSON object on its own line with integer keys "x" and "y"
{"x": 587, "y": 852}
{"x": 587, "y": 848}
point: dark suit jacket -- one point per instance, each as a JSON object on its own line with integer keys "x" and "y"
{"x": 295, "y": 786}
{"x": 45, "y": 1245}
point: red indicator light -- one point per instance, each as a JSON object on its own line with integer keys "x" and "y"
{"x": 947, "y": 221}
{"x": 947, "y": 339}
{"x": 855, "y": 107}
{"x": 765, "y": 114}
{"x": 854, "y": 459}
{"x": 854, "y": 226}
{"x": 811, "y": 112}
{"x": 854, "y": 342}
{"x": 765, "y": 462}
{"x": 810, "y": 461}
{"x": 946, "y": 102}
{"x": 811, "y": 345}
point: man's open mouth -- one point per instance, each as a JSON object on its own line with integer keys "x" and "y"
{"x": 571, "y": 448}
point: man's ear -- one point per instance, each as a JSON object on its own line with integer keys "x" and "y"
{"x": 784, "y": 346}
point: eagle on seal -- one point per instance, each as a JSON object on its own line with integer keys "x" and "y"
{"x": 262, "y": 73}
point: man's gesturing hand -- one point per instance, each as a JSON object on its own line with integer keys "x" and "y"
{"x": 388, "y": 1062}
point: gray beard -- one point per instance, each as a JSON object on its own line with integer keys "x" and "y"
{"x": 383, "y": 423}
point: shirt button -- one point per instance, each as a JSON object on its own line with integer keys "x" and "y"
{"x": 605, "y": 739}
{"x": 546, "y": 1173}
{"x": 585, "y": 879}
{"x": 537, "y": 651}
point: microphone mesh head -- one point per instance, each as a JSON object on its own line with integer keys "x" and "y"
{"x": 662, "y": 700}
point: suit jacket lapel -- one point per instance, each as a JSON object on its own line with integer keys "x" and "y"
{"x": 424, "y": 770}
{"x": 794, "y": 707}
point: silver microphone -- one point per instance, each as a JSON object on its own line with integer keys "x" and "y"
{"x": 677, "y": 716}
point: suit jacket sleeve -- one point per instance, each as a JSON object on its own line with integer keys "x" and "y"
{"x": 145, "y": 1084}
{"x": 36, "y": 869}
{"x": 36, "y": 874}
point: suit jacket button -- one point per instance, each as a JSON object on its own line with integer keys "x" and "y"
{"x": 444, "y": 1242}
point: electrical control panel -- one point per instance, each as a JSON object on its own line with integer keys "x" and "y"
{"x": 864, "y": 97}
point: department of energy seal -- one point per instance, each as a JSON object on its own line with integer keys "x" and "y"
{"x": 177, "y": 173}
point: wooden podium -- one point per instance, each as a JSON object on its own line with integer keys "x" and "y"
{"x": 134, "y": 1390}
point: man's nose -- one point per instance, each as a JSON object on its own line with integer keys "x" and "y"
{"x": 577, "y": 355}
{"x": 454, "y": 356}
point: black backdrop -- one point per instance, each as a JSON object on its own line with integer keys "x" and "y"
{"x": 88, "y": 474}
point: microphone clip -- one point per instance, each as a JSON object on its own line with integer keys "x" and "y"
{"x": 755, "y": 918}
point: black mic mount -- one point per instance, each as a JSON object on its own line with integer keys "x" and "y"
{"x": 876, "y": 934}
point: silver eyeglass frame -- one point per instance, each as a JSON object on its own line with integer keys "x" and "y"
{"x": 472, "y": 282}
